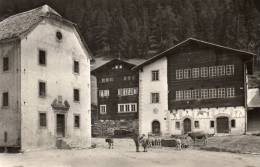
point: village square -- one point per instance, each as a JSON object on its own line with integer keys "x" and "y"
{"x": 195, "y": 103}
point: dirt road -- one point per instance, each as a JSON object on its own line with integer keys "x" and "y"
{"x": 124, "y": 155}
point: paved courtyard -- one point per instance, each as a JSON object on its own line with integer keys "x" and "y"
{"x": 124, "y": 155}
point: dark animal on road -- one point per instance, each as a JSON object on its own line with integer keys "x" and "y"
{"x": 110, "y": 142}
{"x": 200, "y": 135}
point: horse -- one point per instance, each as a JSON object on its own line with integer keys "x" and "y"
{"x": 110, "y": 142}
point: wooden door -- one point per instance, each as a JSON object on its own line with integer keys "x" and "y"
{"x": 222, "y": 125}
{"x": 60, "y": 125}
{"x": 187, "y": 125}
{"x": 156, "y": 128}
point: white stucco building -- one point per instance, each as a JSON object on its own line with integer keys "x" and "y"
{"x": 44, "y": 82}
{"x": 194, "y": 86}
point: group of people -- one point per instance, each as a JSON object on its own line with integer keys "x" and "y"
{"x": 138, "y": 140}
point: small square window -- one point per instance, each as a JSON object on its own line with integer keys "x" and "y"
{"x": 179, "y": 74}
{"x": 195, "y": 94}
{"x": 103, "y": 109}
{"x": 133, "y": 107}
{"x": 42, "y": 57}
{"x": 76, "y": 95}
{"x": 179, "y": 95}
{"x": 177, "y": 125}
{"x": 233, "y": 123}
{"x": 76, "y": 67}
{"x": 42, "y": 89}
{"x": 229, "y": 69}
{"x": 5, "y": 100}
{"x": 5, "y": 64}
{"x": 195, "y": 73}
{"x": 76, "y": 121}
{"x": 187, "y": 73}
{"x": 196, "y": 124}
{"x": 155, "y": 97}
{"x": 204, "y": 72}
{"x": 155, "y": 75}
{"x": 212, "y": 124}
{"x": 43, "y": 119}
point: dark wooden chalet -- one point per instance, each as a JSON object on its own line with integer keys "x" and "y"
{"x": 205, "y": 75}
{"x": 117, "y": 91}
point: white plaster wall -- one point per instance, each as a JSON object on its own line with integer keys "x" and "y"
{"x": 146, "y": 87}
{"x": 205, "y": 115}
{"x": 60, "y": 80}
{"x": 9, "y": 82}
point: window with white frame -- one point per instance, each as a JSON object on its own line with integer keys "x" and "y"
{"x": 230, "y": 69}
{"x": 127, "y": 91}
{"x": 179, "y": 95}
{"x": 195, "y": 73}
{"x": 204, "y": 93}
{"x": 103, "y": 93}
{"x": 103, "y": 109}
{"x": 109, "y": 79}
{"x": 187, "y": 94}
{"x": 213, "y": 93}
{"x": 155, "y": 75}
{"x": 221, "y": 70}
{"x": 230, "y": 92}
{"x": 195, "y": 94}
{"x": 212, "y": 71}
{"x": 187, "y": 73}
{"x": 155, "y": 97}
{"x": 204, "y": 72}
{"x": 221, "y": 93}
{"x": 129, "y": 107}
{"x": 179, "y": 74}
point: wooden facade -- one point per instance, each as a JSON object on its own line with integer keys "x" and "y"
{"x": 198, "y": 56}
{"x": 113, "y": 76}
{"x": 206, "y": 88}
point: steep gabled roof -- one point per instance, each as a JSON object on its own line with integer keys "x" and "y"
{"x": 15, "y": 25}
{"x": 111, "y": 63}
{"x": 188, "y": 42}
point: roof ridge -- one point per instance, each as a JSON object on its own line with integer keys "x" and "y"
{"x": 21, "y": 13}
{"x": 40, "y": 8}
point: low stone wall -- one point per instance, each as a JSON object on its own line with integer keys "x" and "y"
{"x": 103, "y": 128}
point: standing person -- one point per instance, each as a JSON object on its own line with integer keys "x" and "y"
{"x": 144, "y": 141}
{"x": 136, "y": 140}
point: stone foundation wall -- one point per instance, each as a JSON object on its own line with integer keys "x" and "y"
{"x": 103, "y": 128}
{"x": 204, "y": 116}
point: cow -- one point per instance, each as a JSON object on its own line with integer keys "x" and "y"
{"x": 199, "y": 135}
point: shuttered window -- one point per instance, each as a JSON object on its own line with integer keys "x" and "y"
{"x": 5, "y": 99}
{"x": 42, "y": 89}
{"x": 76, "y": 95}
{"x": 5, "y": 64}
{"x": 43, "y": 119}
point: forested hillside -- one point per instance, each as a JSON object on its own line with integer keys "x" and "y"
{"x": 142, "y": 28}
